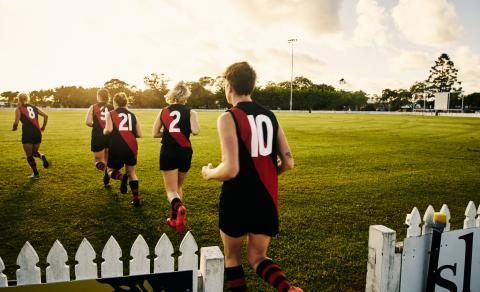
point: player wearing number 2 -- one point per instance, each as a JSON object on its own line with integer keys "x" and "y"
{"x": 31, "y": 131}
{"x": 178, "y": 122}
{"x": 96, "y": 117}
{"x": 124, "y": 129}
{"x": 251, "y": 142}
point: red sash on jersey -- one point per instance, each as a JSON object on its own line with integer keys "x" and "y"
{"x": 34, "y": 121}
{"x": 266, "y": 169}
{"x": 178, "y": 136}
{"x": 127, "y": 136}
{"x": 97, "y": 111}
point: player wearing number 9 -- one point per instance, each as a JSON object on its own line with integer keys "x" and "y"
{"x": 124, "y": 129}
{"x": 177, "y": 122}
{"x": 251, "y": 142}
{"x": 31, "y": 131}
{"x": 96, "y": 117}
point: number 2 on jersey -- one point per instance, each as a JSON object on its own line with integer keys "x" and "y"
{"x": 125, "y": 119}
{"x": 173, "y": 125}
{"x": 258, "y": 143}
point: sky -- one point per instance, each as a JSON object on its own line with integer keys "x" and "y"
{"x": 372, "y": 44}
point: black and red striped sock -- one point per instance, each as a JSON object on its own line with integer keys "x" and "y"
{"x": 100, "y": 165}
{"x": 116, "y": 175}
{"x": 134, "y": 187}
{"x": 37, "y": 154}
{"x": 33, "y": 164}
{"x": 176, "y": 203}
{"x": 236, "y": 279}
{"x": 273, "y": 275}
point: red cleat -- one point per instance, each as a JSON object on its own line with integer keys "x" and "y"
{"x": 295, "y": 289}
{"x": 181, "y": 219}
{"x": 172, "y": 223}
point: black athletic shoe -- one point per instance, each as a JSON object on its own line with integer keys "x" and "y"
{"x": 106, "y": 179}
{"x": 123, "y": 185}
{"x": 44, "y": 161}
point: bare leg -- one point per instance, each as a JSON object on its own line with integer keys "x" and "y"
{"x": 232, "y": 249}
{"x": 181, "y": 179}
{"x": 28, "y": 148}
{"x": 170, "y": 180}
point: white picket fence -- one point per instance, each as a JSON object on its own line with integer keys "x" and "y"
{"x": 207, "y": 277}
{"x": 403, "y": 266}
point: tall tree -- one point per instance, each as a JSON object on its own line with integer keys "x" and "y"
{"x": 443, "y": 76}
{"x": 117, "y": 85}
{"x": 9, "y": 96}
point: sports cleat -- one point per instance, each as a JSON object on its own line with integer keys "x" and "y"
{"x": 135, "y": 202}
{"x": 181, "y": 219}
{"x": 295, "y": 289}
{"x": 34, "y": 176}
{"x": 106, "y": 179}
{"x": 172, "y": 223}
{"x": 44, "y": 161}
{"x": 123, "y": 185}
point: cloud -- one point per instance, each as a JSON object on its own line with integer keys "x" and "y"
{"x": 468, "y": 65}
{"x": 318, "y": 16}
{"x": 371, "y": 28}
{"x": 410, "y": 61}
{"x": 427, "y": 22}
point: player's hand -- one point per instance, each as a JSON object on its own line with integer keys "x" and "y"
{"x": 205, "y": 171}
{"x": 14, "y": 127}
{"x": 43, "y": 129}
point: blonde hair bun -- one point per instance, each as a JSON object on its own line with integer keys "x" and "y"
{"x": 179, "y": 94}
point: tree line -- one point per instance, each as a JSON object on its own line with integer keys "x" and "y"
{"x": 208, "y": 93}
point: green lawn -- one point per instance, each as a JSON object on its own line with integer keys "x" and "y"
{"x": 351, "y": 171}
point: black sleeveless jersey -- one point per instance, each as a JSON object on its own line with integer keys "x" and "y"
{"x": 176, "y": 122}
{"x": 99, "y": 111}
{"x": 29, "y": 119}
{"x": 123, "y": 136}
{"x": 257, "y": 181}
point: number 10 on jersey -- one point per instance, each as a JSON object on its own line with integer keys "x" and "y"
{"x": 258, "y": 143}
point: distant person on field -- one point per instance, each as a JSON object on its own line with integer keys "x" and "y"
{"x": 31, "y": 131}
{"x": 254, "y": 152}
{"x": 177, "y": 122}
{"x": 96, "y": 118}
{"x": 124, "y": 129}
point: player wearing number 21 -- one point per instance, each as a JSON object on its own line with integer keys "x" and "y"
{"x": 31, "y": 131}
{"x": 251, "y": 142}
{"x": 177, "y": 122}
{"x": 96, "y": 117}
{"x": 124, "y": 129}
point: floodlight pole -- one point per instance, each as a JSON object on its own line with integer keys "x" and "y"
{"x": 291, "y": 41}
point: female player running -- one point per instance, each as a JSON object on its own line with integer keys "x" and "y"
{"x": 96, "y": 117}
{"x": 251, "y": 142}
{"x": 177, "y": 122}
{"x": 31, "y": 131}
{"x": 124, "y": 129}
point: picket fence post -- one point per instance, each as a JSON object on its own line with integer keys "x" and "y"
{"x": 85, "y": 255}
{"x": 470, "y": 214}
{"x": 3, "y": 278}
{"x": 164, "y": 261}
{"x": 58, "y": 271}
{"x": 27, "y": 259}
{"x": 211, "y": 268}
{"x": 189, "y": 259}
{"x": 140, "y": 264}
{"x": 112, "y": 266}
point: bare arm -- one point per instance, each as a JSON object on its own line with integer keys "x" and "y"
{"x": 157, "y": 126}
{"x": 229, "y": 167}
{"x": 17, "y": 119}
{"x": 284, "y": 153}
{"x": 194, "y": 125}
{"x": 108, "y": 124}
{"x": 89, "y": 117}
{"x": 139, "y": 130}
{"x": 45, "y": 118}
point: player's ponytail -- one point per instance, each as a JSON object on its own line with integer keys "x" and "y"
{"x": 23, "y": 98}
{"x": 179, "y": 94}
{"x": 120, "y": 99}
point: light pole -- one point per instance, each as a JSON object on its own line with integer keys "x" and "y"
{"x": 291, "y": 41}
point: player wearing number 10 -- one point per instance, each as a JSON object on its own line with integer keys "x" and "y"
{"x": 124, "y": 129}
{"x": 177, "y": 122}
{"x": 31, "y": 131}
{"x": 96, "y": 117}
{"x": 251, "y": 142}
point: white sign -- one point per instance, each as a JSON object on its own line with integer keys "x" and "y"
{"x": 442, "y": 100}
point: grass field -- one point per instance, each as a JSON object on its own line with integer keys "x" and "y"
{"x": 351, "y": 171}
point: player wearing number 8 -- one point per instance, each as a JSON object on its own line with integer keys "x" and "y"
{"x": 31, "y": 131}
{"x": 96, "y": 117}
{"x": 124, "y": 129}
{"x": 177, "y": 122}
{"x": 251, "y": 142}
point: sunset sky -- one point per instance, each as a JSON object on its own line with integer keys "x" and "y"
{"x": 371, "y": 44}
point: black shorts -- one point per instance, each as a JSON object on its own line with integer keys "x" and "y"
{"x": 175, "y": 157}
{"x": 31, "y": 138}
{"x": 99, "y": 143}
{"x": 117, "y": 160}
{"x": 242, "y": 213}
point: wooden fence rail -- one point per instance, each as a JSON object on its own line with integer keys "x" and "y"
{"x": 208, "y": 278}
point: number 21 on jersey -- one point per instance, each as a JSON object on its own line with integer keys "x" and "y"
{"x": 258, "y": 143}
{"x": 125, "y": 123}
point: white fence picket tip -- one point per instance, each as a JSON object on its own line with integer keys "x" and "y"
{"x": 189, "y": 259}
{"x": 27, "y": 259}
{"x": 446, "y": 210}
{"x": 164, "y": 262}
{"x": 112, "y": 266}
{"x": 470, "y": 214}
{"x": 57, "y": 271}
{"x": 428, "y": 220}
{"x": 86, "y": 268}
{"x": 140, "y": 264}
{"x": 413, "y": 220}
{"x": 3, "y": 277}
